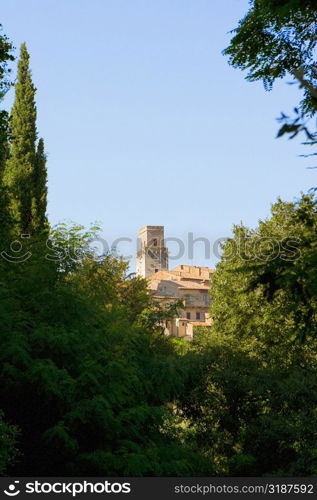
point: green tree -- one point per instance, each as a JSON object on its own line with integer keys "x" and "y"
{"x": 276, "y": 38}
{"x": 251, "y": 407}
{"x": 20, "y": 168}
{"x": 5, "y": 83}
{"x": 40, "y": 222}
{"x": 5, "y": 57}
{"x": 265, "y": 284}
{"x": 8, "y": 433}
{"x": 104, "y": 278}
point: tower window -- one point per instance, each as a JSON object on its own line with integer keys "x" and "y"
{"x": 155, "y": 242}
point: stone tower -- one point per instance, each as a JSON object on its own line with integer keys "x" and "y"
{"x": 152, "y": 255}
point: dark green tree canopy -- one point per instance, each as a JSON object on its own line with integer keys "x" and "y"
{"x": 5, "y": 57}
{"x": 5, "y": 83}
{"x": 276, "y": 38}
{"x": 265, "y": 284}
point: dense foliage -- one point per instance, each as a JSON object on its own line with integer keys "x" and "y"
{"x": 5, "y": 57}
{"x": 266, "y": 283}
{"x": 252, "y": 407}
{"x": 86, "y": 388}
{"x": 251, "y": 403}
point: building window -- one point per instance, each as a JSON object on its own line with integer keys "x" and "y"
{"x": 156, "y": 270}
{"x": 155, "y": 242}
{"x": 197, "y": 315}
{"x": 188, "y": 315}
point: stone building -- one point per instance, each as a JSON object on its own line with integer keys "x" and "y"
{"x": 152, "y": 255}
{"x": 188, "y": 284}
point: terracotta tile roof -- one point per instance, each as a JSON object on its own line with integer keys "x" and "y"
{"x": 180, "y": 275}
{"x": 181, "y": 285}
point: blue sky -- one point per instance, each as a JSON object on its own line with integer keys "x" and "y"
{"x": 146, "y": 123}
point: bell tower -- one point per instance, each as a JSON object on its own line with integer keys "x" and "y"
{"x": 152, "y": 255}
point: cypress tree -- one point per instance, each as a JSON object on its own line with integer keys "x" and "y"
{"x": 20, "y": 168}
{"x": 40, "y": 189}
